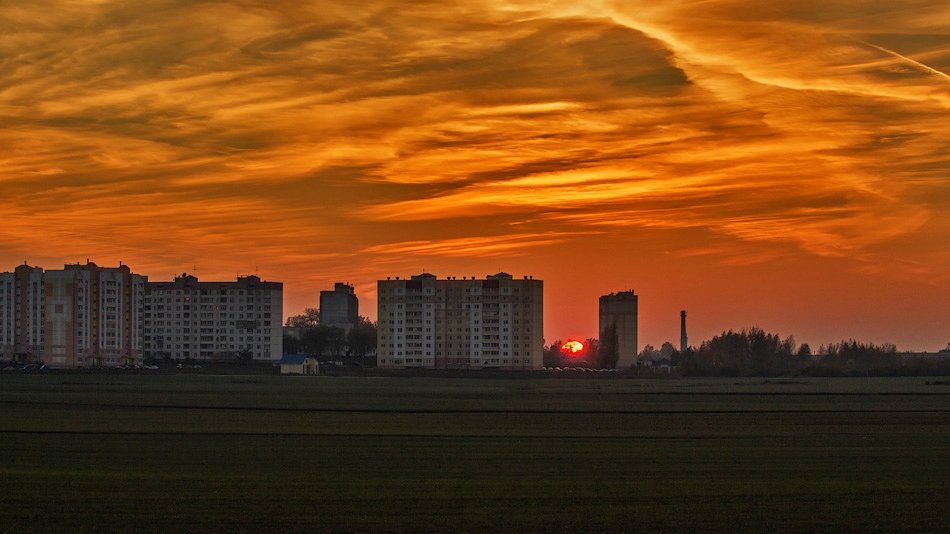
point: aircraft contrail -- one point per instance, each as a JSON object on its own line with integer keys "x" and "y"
{"x": 927, "y": 68}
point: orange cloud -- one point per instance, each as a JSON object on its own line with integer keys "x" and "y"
{"x": 314, "y": 142}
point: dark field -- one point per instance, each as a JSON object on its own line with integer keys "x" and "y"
{"x": 226, "y": 453}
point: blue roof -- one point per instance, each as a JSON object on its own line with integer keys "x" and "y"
{"x": 293, "y": 358}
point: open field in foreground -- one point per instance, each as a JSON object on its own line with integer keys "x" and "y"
{"x": 226, "y": 453}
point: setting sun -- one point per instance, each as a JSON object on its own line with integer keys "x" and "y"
{"x": 573, "y": 347}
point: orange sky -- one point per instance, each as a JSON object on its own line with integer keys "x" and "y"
{"x": 784, "y": 164}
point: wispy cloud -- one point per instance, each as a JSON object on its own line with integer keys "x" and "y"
{"x": 475, "y": 246}
{"x": 312, "y": 140}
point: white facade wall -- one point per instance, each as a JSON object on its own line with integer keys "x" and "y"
{"x": 35, "y": 305}
{"x": 214, "y": 320}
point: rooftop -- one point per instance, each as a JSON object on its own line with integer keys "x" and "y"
{"x": 293, "y": 359}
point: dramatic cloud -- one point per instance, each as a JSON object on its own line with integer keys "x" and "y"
{"x": 698, "y": 151}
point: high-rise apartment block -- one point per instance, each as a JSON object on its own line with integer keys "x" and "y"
{"x": 214, "y": 321}
{"x": 426, "y": 322}
{"x": 340, "y": 307}
{"x": 80, "y": 316}
{"x": 619, "y": 310}
{"x": 22, "y": 313}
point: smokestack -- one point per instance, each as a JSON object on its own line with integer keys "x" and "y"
{"x": 683, "y": 341}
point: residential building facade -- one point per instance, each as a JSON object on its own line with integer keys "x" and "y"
{"x": 81, "y": 316}
{"x": 620, "y": 311}
{"x": 214, "y": 321}
{"x": 21, "y": 313}
{"x": 426, "y": 322}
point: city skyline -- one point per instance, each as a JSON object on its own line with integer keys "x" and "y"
{"x": 785, "y": 166}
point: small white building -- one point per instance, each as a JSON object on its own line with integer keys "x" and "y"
{"x": 298, "y": 364}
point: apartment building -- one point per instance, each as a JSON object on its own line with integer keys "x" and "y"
{"x": 452, "y": 323}
{"x": 81, "y": 316}
{"x": 21, "y": 313}
{"x": 619, "y": 312}
{"x": 340, "y": 307}
{"x": 215, "y": 321}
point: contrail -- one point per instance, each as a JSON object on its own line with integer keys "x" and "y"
{"x": 927, "y": 68}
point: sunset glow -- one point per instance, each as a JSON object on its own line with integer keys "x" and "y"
{"x": 780, "y": 164}
{"x": 573, "y": 347}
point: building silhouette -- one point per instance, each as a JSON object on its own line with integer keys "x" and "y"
{"x": 339, "y": 307}
{"x": 684, "y": 340}
{"x": 214, "y": 321}
{"x": 467, "y": 323}
{"x": 619, "y": 310}
{"x": 80, "y": 316}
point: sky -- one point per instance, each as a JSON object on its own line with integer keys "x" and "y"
{"x": 781, "y": 164}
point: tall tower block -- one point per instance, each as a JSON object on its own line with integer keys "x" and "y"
{"x": 684, "y": 343}
{"x": 340, "y": 307}
{"x": 620, "y": 310}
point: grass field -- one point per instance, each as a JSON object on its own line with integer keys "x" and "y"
{"x": 232, "y": 453}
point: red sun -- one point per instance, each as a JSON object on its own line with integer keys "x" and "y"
{"x": 573, "y": 347}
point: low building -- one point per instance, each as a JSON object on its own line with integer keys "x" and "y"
{"x": 298, "y": 364}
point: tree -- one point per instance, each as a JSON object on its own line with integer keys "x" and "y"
{"x": 754, "y": 352}
{"x": 552, "y": 356}
{"x": 854, "y": 358}
{"x": 804, "y": 354}
{"x": 314, "y": 341}
{"x": 361, "y": 339}
{"x": 649, "y": 353}
{"x": 592, "y": 346}
{"x": 667, "y": 350}
{"x": 336, "y": 339}
{"x": 310, "y": 318}
{"x": 292, "y": 345}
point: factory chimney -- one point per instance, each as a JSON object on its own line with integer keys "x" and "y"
{"x": 683, "y": 341}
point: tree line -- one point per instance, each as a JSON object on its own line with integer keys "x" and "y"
{"x": 358, "y": 345}
{"x": 754, "y": 352}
